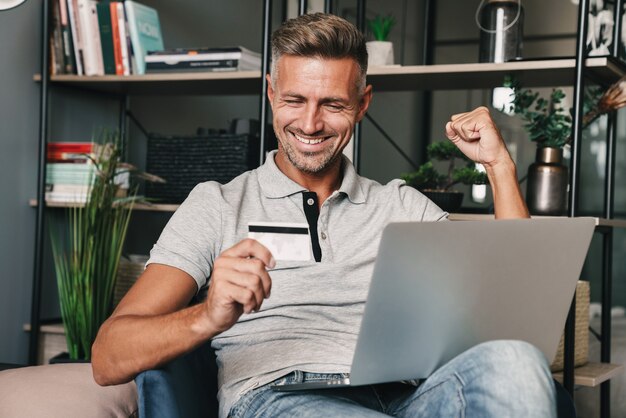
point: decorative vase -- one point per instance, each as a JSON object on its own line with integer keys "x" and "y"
{"x": 447, "y": 201}
{"x": 547, "y": 183}
{"x": 379, "y": 53}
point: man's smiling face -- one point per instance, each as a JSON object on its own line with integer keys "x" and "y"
{"x": 316, "y": 104}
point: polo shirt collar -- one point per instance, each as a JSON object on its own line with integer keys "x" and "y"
{"x": 275, "y": 184}
{"x": 351, "y": 183}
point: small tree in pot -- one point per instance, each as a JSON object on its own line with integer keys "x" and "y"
{"x": 439, "y": 187}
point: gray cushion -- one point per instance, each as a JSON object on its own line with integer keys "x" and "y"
{"x": 62, "y": 390}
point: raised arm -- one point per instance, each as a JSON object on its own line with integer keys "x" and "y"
{"x": 478, "y": 137}
{"x": 153, "y": 325}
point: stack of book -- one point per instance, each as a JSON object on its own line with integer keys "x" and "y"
{"x": 70, "y": 172}
{"x": 203, "y": 59}
{"x": 105, "y": 37}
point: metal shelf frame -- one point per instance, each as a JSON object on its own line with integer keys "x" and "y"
{"x": 410, "y": 78}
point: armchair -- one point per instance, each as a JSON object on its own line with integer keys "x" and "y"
{"x": 186, "y": 387}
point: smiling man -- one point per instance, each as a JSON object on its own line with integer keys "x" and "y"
{"x": 282, "y": 321}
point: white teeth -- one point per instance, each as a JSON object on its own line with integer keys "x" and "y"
{"x": 308, "y": 141}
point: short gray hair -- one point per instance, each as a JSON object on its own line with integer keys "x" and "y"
{"x": 319, "y": 35}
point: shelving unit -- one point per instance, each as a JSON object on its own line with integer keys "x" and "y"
{"x": 538, "y": 73}
{"x": 534, "y": 73}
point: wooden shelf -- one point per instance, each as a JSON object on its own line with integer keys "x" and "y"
{"x": 215, "y": 83}
{"x": 153, "y": 207}
{"x": 614, "y": 223}
{"x": 535, "y": 73}
{"x": 592, "y": 374}
{"x": 56, "y": 328}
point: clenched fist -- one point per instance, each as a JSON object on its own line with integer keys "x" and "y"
{"x": 477, "y": 136}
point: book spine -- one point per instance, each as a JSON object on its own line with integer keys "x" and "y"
{"x": 57, "y": 65}
{"x": 212, "y": 56}
{"x": 197, "y": 51}
{"x": 117, "y": 48}
{"x": 124, "y": 39}
{"x": 139, "y": 65}
{"x": 207, "y": 65}
{"x": 106, "y": 36}
{"x": 79, "y": 147}
{"x": 72, "y": 9}
{"x": 67, "y": 188}
{"x": 95, "y": 34}
{"x": 74, "y": 157}
{"x": 92, "y": 51}
{"x": 68, "y": 48}
{"x": 52, "y": 67}
{"x": 66, "y": 197}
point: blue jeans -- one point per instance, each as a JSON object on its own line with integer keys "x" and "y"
{"x": 494, "y": 379}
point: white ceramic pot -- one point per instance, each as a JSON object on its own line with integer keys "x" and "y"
{"x": 379, "y": 53}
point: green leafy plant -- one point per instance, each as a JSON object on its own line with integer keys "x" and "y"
{"x": 87, "y": 248}
{"x": 427, "y": 177}
{"x": 381, "y": 26}
{"x": 547, "y": 122}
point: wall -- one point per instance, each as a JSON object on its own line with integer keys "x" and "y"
{"x": 18, "y": 141}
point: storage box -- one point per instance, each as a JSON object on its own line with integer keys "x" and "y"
{"x": 581, "y": 337}
{"x": 185, "y": 161}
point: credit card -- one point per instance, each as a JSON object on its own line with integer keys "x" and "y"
{"x": 286, "y": 241}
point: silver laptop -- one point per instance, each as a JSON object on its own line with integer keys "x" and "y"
{"x": 440, "y": 288}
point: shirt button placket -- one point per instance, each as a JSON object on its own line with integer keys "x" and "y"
{"x": 323, "y": 221}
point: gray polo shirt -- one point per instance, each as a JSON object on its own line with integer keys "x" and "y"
{"x": 312, "y": 318}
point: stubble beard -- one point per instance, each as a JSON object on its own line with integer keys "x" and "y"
{"x": 308, "y": 162}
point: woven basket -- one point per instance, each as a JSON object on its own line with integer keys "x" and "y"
{"x": 127, "y": 273}
{"x": 581, "y": 335}
{"x": 185, "y": 161}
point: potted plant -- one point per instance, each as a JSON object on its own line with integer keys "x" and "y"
{"x": 380, "y": 51}
{"x": 87, "y": 248}
{"x": 550, "y": 126}
{"x": 439, "y": 187}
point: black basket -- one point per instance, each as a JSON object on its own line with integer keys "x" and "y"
{"x": 185, "y": 161}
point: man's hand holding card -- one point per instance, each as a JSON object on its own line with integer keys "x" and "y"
{"x": 286, "y": 241}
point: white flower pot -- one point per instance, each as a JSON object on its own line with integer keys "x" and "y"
{"x": 379, "y": 53}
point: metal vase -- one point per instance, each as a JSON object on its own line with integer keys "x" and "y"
{"x": 547, "y": 183}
